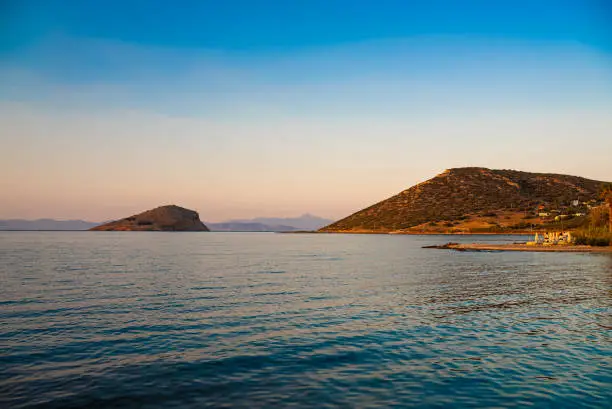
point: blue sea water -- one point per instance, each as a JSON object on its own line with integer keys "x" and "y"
{"x": 256, "y": 320}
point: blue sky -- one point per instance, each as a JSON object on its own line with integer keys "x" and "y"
{"x": 276, "y": 108}
{"x": 252, "y": 25}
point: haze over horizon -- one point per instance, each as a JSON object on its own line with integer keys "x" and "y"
{"x": 242, "y": 109}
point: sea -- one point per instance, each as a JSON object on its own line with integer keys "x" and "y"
{"x": 264, "y": 320}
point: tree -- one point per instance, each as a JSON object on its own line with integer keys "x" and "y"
{"x": 606, "y": 194}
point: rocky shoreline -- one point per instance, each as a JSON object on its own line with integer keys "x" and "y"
{"x": 431, "y": 233}
{"x": 521, "y": 247}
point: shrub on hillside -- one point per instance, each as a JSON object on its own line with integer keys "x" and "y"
{"x": 520, "y": 226}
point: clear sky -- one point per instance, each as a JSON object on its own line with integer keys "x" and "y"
{"x": 276, "y": 108}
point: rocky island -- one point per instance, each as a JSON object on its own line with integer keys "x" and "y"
{"x": 163, "y": 218}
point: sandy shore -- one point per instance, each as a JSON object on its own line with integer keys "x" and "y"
{"x": 522, "y": 247}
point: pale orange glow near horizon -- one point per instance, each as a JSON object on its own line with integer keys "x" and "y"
{"x": 325, "y": 130}
{"x": 113, "y": 164}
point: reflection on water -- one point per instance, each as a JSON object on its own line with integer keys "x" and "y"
{"x": 264, "y": 320}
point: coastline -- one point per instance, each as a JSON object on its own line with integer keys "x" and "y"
{"x": 522, "y": 247}
{"x": 430, "y": 233}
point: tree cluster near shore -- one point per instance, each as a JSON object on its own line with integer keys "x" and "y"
{"x": 598, "y": 232}
{"x": 606, "y": 194}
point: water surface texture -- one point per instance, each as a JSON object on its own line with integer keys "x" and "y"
{"x": 192, "y": 320}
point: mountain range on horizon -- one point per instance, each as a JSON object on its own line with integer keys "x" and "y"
{"x": 258, "y": 224}
{"x": 306, "y": 221}
{"x": 45, "y": 225}
{"x": 470, "y": 199}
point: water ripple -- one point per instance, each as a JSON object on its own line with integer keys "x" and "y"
{"x": 248, "y": 320}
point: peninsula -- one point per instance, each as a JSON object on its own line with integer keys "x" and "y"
{"x": 479, "y": 200}
{"x": 570, "y": 248}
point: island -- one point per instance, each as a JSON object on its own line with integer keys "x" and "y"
{"x": 163, "y": 218}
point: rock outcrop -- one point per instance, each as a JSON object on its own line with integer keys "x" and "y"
{"x": 163, "y": 218}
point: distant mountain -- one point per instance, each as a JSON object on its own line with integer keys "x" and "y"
{"x": 162, "y": 218}
{"x": 304, "y": 222}
{"x": 248, "y": 227}
{"x": 45, "y": 224}
{"x": 465, "y": 199}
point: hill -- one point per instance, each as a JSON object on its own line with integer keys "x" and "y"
{"x": 163, "y": 218}
{"x": 469, "y": 199}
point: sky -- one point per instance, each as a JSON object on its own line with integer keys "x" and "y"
{"x": 270, "y": 108}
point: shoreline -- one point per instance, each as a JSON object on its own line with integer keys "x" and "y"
{"x": 522, "y": 247}
{"x": 432, "y": 233}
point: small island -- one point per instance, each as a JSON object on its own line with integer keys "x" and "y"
{"x": 163, "y": 218}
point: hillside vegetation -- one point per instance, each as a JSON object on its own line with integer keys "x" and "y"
{"x": 473, "y": 199}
